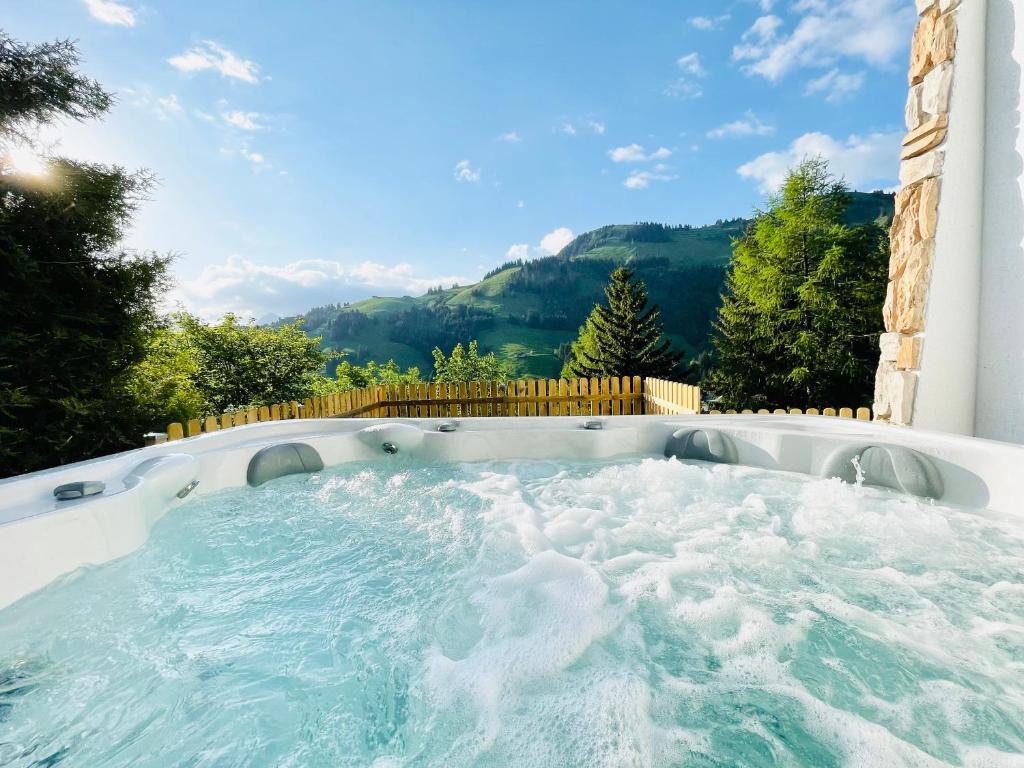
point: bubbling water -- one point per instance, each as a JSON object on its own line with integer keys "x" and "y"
{"x": 647, "y": 612}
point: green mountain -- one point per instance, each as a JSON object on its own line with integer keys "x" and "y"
{"x": 528, "y": 311}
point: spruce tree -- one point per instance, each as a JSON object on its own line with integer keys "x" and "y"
{"x": 625, "y": 338}
{"x": 800, "y": 320}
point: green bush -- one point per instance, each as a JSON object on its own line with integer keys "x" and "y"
{"x": 469, "y": 365}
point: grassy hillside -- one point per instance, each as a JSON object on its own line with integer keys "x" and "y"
{"x": 524, "y": 311}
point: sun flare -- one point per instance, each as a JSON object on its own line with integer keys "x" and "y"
{"x": 23, "y": 160}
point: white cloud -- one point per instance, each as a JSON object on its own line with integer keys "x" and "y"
{"x": 210, "y": 55}
{"x": 709, "y": 23}
{"x": 549, "y": 245}
{"x": 254, "y": 290}
{"x": 643, "y": 179}
{"x": 245, "y": 121}
{"x": 518, "y": 251}
{"x": 870, "y": 161}
{"x": 256, "y": 159}
{"x": 684, "y": 89}
{"x": 635, "y": 153}
{"x": 754, "y": 43}
{"x": 164, "y": 107}
{"x": 749, "y": 125}
{"x": 556, "y": 240}
{"x": 686, "y": 85}
{"x": 510, "y": 137}
{"x": 570, "y": 128}
{"x": 465, "y": 172}
{"x": 111, "y": 12}
{"x": 875, "y": 31}
{"x": 837, "y": 86}
{"x": 520, "y": 204}
{"x": 691, "y": 65}
{"x": 168, "y": 106}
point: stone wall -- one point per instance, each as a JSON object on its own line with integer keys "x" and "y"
{"x": 916, "y": 222}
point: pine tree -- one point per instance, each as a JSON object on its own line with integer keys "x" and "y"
{"x": 625, "y": 338}
{"x": 799, "y": 324}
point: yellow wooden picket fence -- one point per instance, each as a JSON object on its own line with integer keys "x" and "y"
{"x": 608, "y": 396}
{"x": 611, "y": 396}
{"x": 862, "y": 414}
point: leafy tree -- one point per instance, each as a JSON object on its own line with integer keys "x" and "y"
{"x": 165, "y": 384}
{"x": 469, "y": 365}
{"x": 349, "y": 376}
{"x": 625, "y": 338}
{"x": 243, "y": 364}
{"x": 193, "y": 369}
{"x": 77, "y": 311}
{"x": 802, "y": 312}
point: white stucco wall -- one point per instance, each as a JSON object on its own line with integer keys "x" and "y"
{"x": 946, "y": 389}
{"x": 1000, "y": 370}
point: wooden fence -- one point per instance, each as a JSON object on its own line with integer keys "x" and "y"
{"x": 609, "y": 396}
{"x": 862, "y": 414}
{"x": 628, "y": 395}
{"x": 670, "y": 397}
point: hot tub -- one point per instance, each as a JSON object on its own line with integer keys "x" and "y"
{"x": 546, "y": 591}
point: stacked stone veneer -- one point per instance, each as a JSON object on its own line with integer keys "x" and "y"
{"x": 917, "y": 207}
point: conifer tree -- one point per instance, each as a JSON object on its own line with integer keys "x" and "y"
{"x": 625, "y": 338}
{"x": 77, "y": 310}
{"x": 800, "y": 320}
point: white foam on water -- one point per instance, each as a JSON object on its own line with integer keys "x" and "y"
{"x": 634, "y": 613}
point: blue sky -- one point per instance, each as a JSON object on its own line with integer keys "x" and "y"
{"x": 311, "y": 152}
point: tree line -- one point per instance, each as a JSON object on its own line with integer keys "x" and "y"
{"x": 800, "y": 314}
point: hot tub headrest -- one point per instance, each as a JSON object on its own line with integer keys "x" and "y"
{"x": 276, "y": 461}
{"x": 702, "y": 445}
{"x": 888, "y": 466}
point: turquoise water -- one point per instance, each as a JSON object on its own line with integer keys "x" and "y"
{"x": 630, "y": 613}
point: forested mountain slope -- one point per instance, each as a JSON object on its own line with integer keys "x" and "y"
{"x": 527, "y": 311}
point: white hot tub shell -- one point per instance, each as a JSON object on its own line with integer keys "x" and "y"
{"x": 42, "y": 538}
